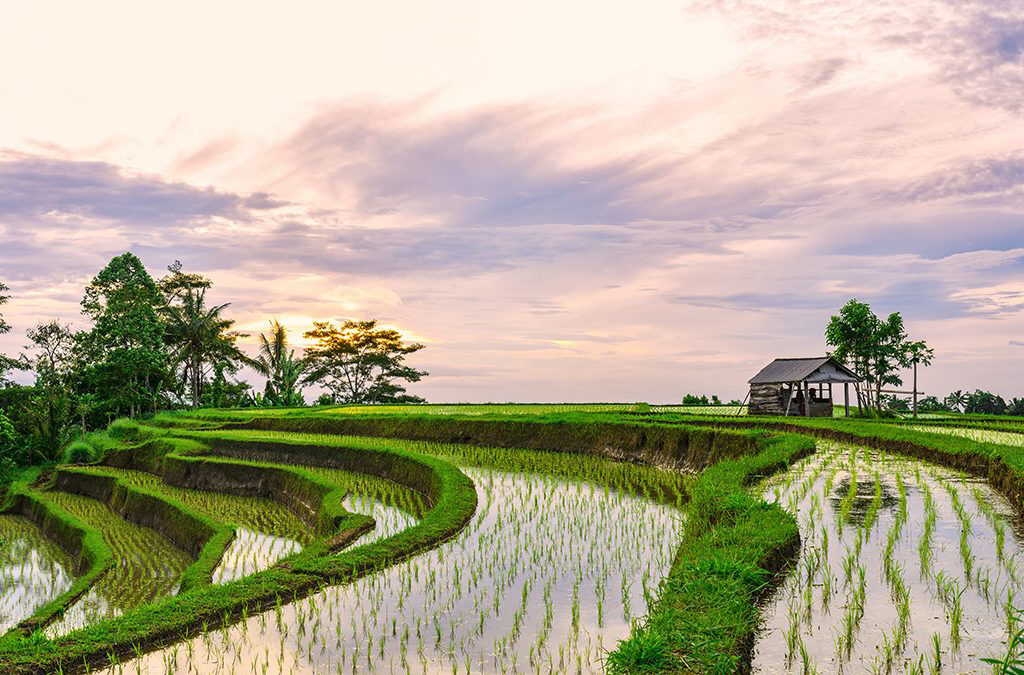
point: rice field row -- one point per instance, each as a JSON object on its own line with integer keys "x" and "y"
{"x": 905, "y": 567}
{"x": 980, "y": 435}
{"x": 550, "y": 573}
{"x": 646, "y": 481}
{"x": 254, "y": 513}
{"x": 147, "y": 566}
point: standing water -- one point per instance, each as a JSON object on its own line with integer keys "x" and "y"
{"x": 547, "y": 577}
{"x": 905, "y": 567}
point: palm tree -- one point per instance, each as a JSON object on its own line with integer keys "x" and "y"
{"x": 917, "y": 353}
{"x": 956, "y": 400}
{"x": 200, "y": 338}
{"x": 289, "y": 393}
{"x": 280, "y": 366}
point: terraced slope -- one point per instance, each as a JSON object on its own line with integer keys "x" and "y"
{"x": 255, "y": 513}
{"x": 147, "y": 566}
{"x": 548, "y": 576}
{"x": 422, "y": 501}
{"x": 523, "y": 586}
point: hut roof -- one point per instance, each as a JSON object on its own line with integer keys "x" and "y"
{"x": 797, "y": 370}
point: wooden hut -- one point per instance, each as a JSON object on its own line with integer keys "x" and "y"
{"x": 800, "y": 387}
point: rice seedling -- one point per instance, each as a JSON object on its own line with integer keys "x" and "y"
{"x": 550, "y": 572}
{"x": 884, "y": 619}
{"x": 147, "y": 566}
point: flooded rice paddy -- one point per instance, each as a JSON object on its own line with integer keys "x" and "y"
{"x": 33, "y": 570}
{"x": 147, "y": 566}
{"x": 905, "y": 567}
{"x": 981, "y": 435}
{"x": 548, "y": 576}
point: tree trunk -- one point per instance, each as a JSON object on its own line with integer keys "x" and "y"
{"x": 915, "y": 390}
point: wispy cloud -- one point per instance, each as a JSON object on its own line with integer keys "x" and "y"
{"x": 669, "y": 233}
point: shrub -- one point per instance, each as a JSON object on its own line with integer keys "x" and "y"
{"x": 8, "y": 436}
{"x": 644, "y": 652}
{"x": 79, "y": 452}
{"x": 123, "y": 429}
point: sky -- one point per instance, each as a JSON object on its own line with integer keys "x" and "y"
{"x": 564, "y": 201}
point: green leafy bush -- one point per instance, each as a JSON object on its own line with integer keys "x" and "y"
{"x": 124, "y": 429}
{"x": 80, "y": 452}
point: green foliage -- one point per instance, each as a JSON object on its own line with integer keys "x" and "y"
{"x": 281, "y": 367}
{"x": 360, "y": 363}
{"x": 985, "y": 403}
{"x": 199, "y": 337}
{"x": 125, "y": 429}
{"x": 7, "y": 363}
{"x": 49, "y": 413}
{"x": 126, "y": 359}
{"x": 693, "y": 399}
{"x": 645, "y": 651}
{"x": 8, "y": 436}
{"x": 874, "y": 348}
{"x": 80, "y": 452}
{"x": 931, "y": 404}
{"x": 223, "y": 393}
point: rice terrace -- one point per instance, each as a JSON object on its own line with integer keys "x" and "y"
{"x": 516, "y": 337}
{"x": 509, "y": 539}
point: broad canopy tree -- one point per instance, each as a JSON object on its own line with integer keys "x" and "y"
{"x": 361, "y": 363}
{"x": 876, "y": 349}
{"x": 7, "y": 364}
{"x": 125, "y": 351}
{"x": 52, "y": 406}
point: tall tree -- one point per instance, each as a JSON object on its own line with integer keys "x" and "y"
{"x": 51, "y": 408}
{"x": 201, "y": 340}
{"x": 957, "y": 400}
{"x": 917, "y": 353}
{"x": 360, "y": 363}
{"x": 852, "y": 334}
{"x": 7, "y": 364}
{"x": 280, "y": 366}
{"x": 875, "y": 349}
{"x": 125, "y": 347}
{"x": 888, "y": 354}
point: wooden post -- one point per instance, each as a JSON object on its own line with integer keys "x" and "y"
{"x": 846, "y": 397}
{"x": 739, "y": 411}
{"x": 789, "y": 400}
{"x": 807, "y": 399}
{"x": 915, "y": 389}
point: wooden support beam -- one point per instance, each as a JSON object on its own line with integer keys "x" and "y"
{"x": 846, "y": 398}
{"x": 739, "y": 411}
{"x": 807, "y": 400}
{"x": 790, "y": 399}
